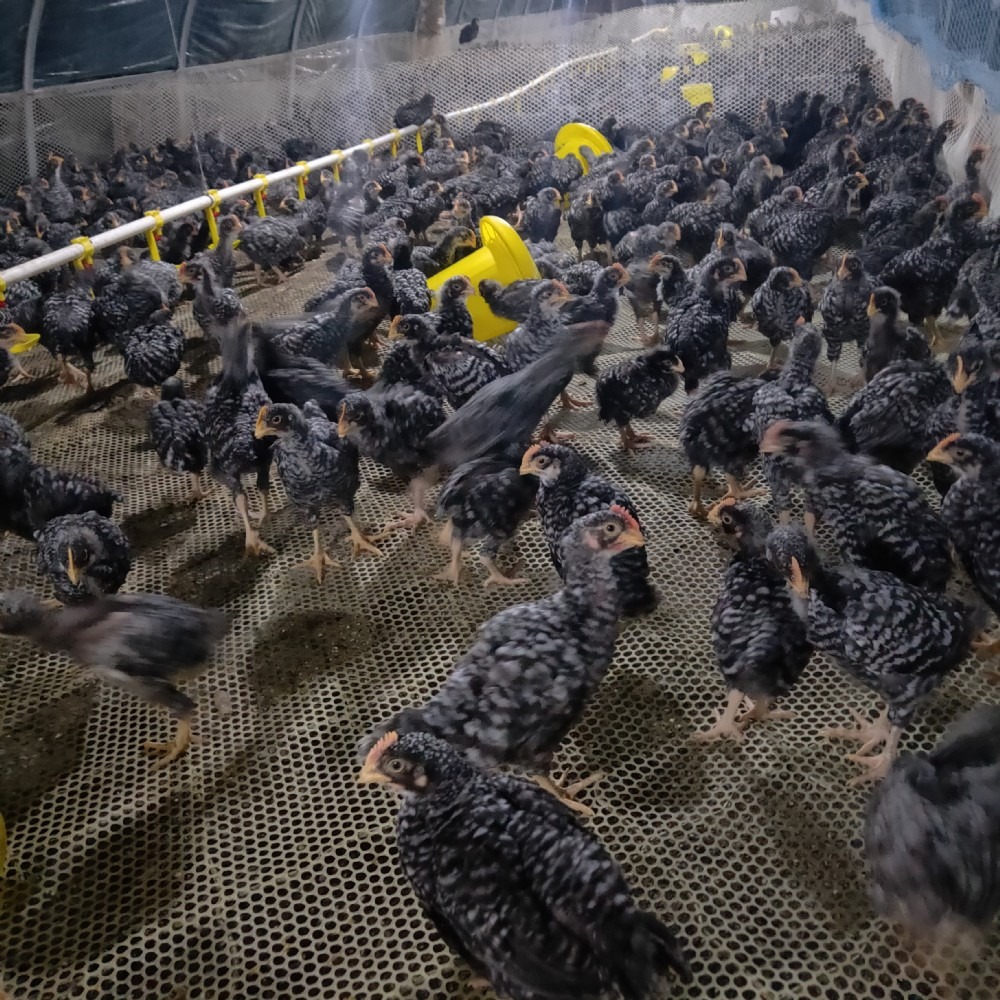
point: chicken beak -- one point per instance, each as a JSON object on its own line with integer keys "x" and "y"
{"x": 343, "y": 424}
{"x": 872, "y": 308}
{"x": 629, "y": 539}
{"x": 939, "y": 453}
{"x": 72, "y": 570}
{"x": 961, "y": 380}
{"x": 371, "y": 775}
{"x": 797, "y": 579}
{"x": 394, "y": 333}
{"x": 678, "y": 367}
{"x": 527, "y": 467}
{"x": 796, "y": 278}
{"x": 842, "y": 271}
{"x": 261, "y": 429}
{"x": 741, "y": 273}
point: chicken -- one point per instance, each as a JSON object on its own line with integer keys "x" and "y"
{"x": 318, "y": 470}
{"x": 658, "y": 209}
{"x": 792, "y": 396}
{"x": 931, "y": 831}
{"x": 12, "y": 339}
{"x": 68, "y": 329}
{"x": 568, "y": 490}
{"x": 716, "y": 429}
{"x": 542, "y": 215}
{"x": 414, "y": 113}
{"x": 231, "y": 407}
{"x": 758, "y": 638}
{"x": 887, "y": 418}
{"x": 271, "y": 243}
{"x": 529, "y": 899}
{"x": 526, "y": 679}
{"x": 634, "y": 388}
{"x": 451, "y": 247}
{"x": 620, "y": 218}
{"x": 177, "y": 430}
{"x": 879, "y": 517}
{"x": 486, "y": 498}
{"x": 700, "y": 220}
{"x": 844, "y": 308}
{"x": 970, "y": 513}
{"x": 452, "y": 316}
{"x": 888, "y": 339}
{"x": 138, "y": 642}
{"x": 152, "y": 352}
{"x": 897, "y": 639}
{"x": 392, "y": 427}
{"x": 777, "y": 306}
{"x": 586, "y": 221}
{"x": 698, "y": 327}
{"x": 83, "y": 555}
{"x": 538, "y": 332}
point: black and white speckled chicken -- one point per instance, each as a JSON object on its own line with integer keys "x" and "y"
{"x": 925, "y": 276}
{"x": 764, "y": 221}
{"x": 889, "y": 339}
{"x": 392, "y": 427}
{"x": 138, "y": 642}
{"x": 698, "y": 326}
{"x": 778, "y": 305}
{"x": 511, "y": 302}
{"x": 644, "y": 241}
{"x": 24, "y": 302}
{"x": 699, "y": 221}
{"x": 620, "y": 218}
{"x": 585, "y": 218}
{"x": 792, "y": 396}
{"x": 485, "y": 499}
{"x": 801, "y": 233}
{"x": 880, "y": 518}
{"x": 560, "y": 923}
{"x": 758, "y": 261}
{"x": 658, "y": 208}
{"x": 971, "y": 512}
{"x": 231, "y": 407}
{"x": 844, "y": 308}
{"x": 899, "y": 640}
{"x": 567, "y": 490}
{"x": 931, "y": 831}
{"x": 152, "y": 351}
{"x": 717, "y": 431}
{"x": 538, "y": 332}
{"x": 68, "y": 329}
{"x": 272, "y": 243}
{"x": 452, "y": 317}
{"x": 177, "y": 431}
{"x": 159, "y": 271}
{"x": 758, "y": 638}
{"x": 374, "y": 272}
{"x": 83, "y": 556}
{"x": 452, "y": 246}
{"x": 634, "y": 388}
{"x": 887, "y": 418}
{"x": 542, "y": 215}
{"x": 318, "y": 470}
{"x": 213, "y": 303}
{"x": 754, "y": 186}
{"x": 502, "y": 703}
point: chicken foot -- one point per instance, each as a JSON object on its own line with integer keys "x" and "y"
{"x": 879, "y": 764}
{"x": 868, "y": 733}
{"x": 173, "y": 749}
{"x": 359, "y": 542}
{"x": 567, "y": 795}
{"x": 252, "y": 544}
{"x": 727, "y": 725}
{"x": 71, "y": 375}
{"x": 197, "y": 491}
{"x": 737, "y": 492}
{"x": 632, "y": 440}
{"x": 452, "y": 573}
{"x": 497, "y": 577}
{"x": 696, "y": 508}
{"x": 569, "y": 402}
{"x": 409, "y": 521}
{"x": 320, "y": 560}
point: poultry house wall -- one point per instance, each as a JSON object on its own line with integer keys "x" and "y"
{"x": 260, "y": 868}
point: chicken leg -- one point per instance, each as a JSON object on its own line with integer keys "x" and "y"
{"x": 418, "y": 489}
{"x": 197, "y": 492}
{"x": 452, "y": 573}
{"x": 868, "y": 733}
{"x": 727, "y": 726}
{"x": 320, "y": 560}
{"x": 567, "y": 796}
{"x": 175, "y": 748}
{"x": 572, "y": 403}
{"x": 252, "y": 544}
{"x": 359, "y": 542}
{"x": 738, "y": 492}
{"x": 696, "y": 508}
{"x": 632, "y": 440}
{"x": 497, "y": 577}
{"x": 879, "y": 764}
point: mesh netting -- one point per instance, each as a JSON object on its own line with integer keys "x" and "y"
{"x": 257, "y": 867}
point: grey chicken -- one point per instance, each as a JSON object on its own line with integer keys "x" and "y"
{"x": 83, "y": 555}
{"x": 778, "y": 305}
{"x": 177, "y": 428}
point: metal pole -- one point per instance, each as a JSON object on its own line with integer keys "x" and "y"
{"x": 28, "y": 85}
{"x": 300, "y": 13}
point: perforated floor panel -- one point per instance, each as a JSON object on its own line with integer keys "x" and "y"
{"x": 257, "y": 867}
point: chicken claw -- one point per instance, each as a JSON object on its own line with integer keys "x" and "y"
{"x": 727, "y": 725}
{"x": 175, "y": 748}
{"x": 572, "y": 403}
{"x": 409, "y": 521}
{"x": 737, "y": 492}
{"x": 359, "y": 543}
{"x": 498, "y": 578}
{"x": 567, "y": 795}
{"x": 452, "y": 573}
{"x": 320, "y": 560}
{"x": 868, "y": 733}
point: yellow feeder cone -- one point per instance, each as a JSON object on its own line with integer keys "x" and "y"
{"x": 697, "y": 94}
{"x": 503, "y": 257}
{"x": 571, "y": 139}
{"x": 30, "y": 339}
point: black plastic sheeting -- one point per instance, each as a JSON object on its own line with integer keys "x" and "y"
{"x": 82, "y": 40}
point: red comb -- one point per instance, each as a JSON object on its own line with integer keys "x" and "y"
{"x": 630, "y": 521}
{"x": 531, "y": 453}
{"x": 375, "y": 754}
{"x": 950, "y": 439}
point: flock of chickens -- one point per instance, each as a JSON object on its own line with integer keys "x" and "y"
{"x": 693, "y": 226}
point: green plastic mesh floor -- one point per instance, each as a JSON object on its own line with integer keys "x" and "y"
{"x": 257, "y": 867}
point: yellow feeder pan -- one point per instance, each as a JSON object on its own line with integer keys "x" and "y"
{"x": 503, "y": 257}
{"x": 30, "y": 339}
{"x": 576, "y": 136}
{"x": 697, "y": 94}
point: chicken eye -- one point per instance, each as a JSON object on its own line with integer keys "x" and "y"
{"x": 394, "y": 766}
{"x": 727, "y": 518}
{"x": 611, "y": 529}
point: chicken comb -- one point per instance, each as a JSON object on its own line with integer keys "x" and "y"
{"x": 630, "y": 521}
{"x": 949, "y": 440}
{"x": 375, "y": 754}
{"x": 531, "y": 453}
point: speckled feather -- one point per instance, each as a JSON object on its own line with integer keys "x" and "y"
{"x": 636, "y": 386}
{"x": 99, "y": 547}
{"x": 177, "y": 430}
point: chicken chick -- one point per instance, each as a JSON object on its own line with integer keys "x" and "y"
{"x": 778, "y": 304}
{"x": 567, "y": 490}
{"x": 844, "y": 308}
{"x": 318, "y": 470}
{"x": 635, "y": 388}
{"x": 758, "y": 638}
{"x": 177, "y": 430}
{"x": 486, "y": 498}
{"x": 899, "y": 640}
{"x": 528, "y": 675}
{"x": 888, "y": 339}
{"x": 931, "y": 832}
{"x": 528, "y": 898}
{"x": 139, "y": 642}
{"x": 83, "y": 555}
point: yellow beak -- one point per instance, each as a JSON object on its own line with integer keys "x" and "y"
{"x": 630, "y": 539}
{"x": 961, "y": 380}
{"x": 343, "y": 424}
{"x": 371, "y": 775}
{"x": 872, "y": 308}
{"x": 394, "y": 333}
{"x": 260, "y": 428}
{"x": 798, "y": 581}
{"x": 72, "y": 570}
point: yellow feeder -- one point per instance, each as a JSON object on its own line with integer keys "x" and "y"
{"x": 697, "y": 94}
{"x": 576, "y": 136}
{"x": 30, "y": 339}
{"x": 723, "y": 35}
{"x": 503, "y": 257}
{"x": 668, "y": 73}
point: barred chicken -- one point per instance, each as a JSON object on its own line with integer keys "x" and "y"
{"x": 83, "y": 556}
